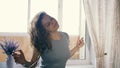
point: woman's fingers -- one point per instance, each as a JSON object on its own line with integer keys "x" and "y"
{"x": 80, "y": 42}
{"x": 78, "y": 39}
{"x": 19, "y": 52}
{"x": 17, "y": 56}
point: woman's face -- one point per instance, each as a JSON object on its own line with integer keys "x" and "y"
{"x": 49, "y": 23}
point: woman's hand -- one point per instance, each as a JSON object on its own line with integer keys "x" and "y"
{"x": 19, "y": 57}
{"x": 80, "y": 42}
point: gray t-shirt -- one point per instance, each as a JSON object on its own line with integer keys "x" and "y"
{"x": 58, "y": 56}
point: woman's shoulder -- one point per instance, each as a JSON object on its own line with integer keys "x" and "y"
{"x": 64, "y": 34}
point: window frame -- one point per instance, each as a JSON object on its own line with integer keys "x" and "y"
{"x": 87, "y": 56}
{"x": 60, "y": 12}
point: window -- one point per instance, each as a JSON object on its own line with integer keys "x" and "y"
{"x": 49, "y": 6}
{"x": 69, "y": 14}
{"x": 73, "y": 25}
{"x": 13, "y": 14}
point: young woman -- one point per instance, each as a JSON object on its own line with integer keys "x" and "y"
{"x": 49, "y": 44}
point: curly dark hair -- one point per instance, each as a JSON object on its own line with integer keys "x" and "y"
{"x": 38, "y": 34}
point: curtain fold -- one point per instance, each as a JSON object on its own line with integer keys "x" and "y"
{"x": 95, "y": 15}
{"x": 103, "y": 22}
{"x": 115, "y": 41}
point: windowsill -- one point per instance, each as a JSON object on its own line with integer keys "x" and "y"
{"x": 3, "y": 65}
{"x": 80, "y": 66}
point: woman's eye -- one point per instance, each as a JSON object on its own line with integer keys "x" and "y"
{"x": 51, "y": 18}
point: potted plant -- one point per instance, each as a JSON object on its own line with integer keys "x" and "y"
{"x": 9, "y": 46}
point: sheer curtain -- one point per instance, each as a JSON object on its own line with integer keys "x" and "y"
{"x": 115, "y": 38}
{"x": 103, "y": 22}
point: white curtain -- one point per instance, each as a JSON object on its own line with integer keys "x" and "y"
{"x": 104, "y": 28}
{"x": 114, "y": 55}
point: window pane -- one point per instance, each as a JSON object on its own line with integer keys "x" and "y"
{"x": 72, "y": 24}
{"x": 71, "y": 16}
{"x": 49, "y": 6}
{"x": 13, "y": 14}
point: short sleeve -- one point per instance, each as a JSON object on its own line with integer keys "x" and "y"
{"x": 67, "y": 37}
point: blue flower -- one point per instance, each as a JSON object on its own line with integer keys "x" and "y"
{"x": 9, "y": 46}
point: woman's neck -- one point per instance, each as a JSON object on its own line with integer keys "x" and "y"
{"x": 55, "y": 35}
